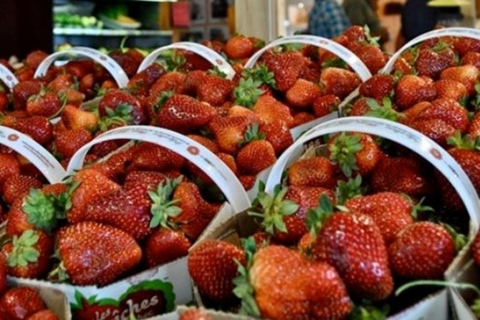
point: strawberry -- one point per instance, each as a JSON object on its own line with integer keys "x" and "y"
{"x": 45, "y": 103}
{"x": 466, "y": 74}
{"x": 9, "y": 166}
{"x": 4, "y": 101}
{"x": 128, "y": 63}
{"x": 286, "y": 68}
{"x": 451, "y": 89}
{"x": 338, "y": 81}
{"x": 184, "y": 114}
{"x": 71, "y": 96}
{"x": 358, "y": 253}
{"x": 75, "y": 118}
{"x": 21, "y": 302}
{"x": 165, "y": 245}
{"x": 193, "y": 61}
{"x": 270, "y": 109}
{"x": 187, "y": 197}
{"x": 239, "y": 47}
{"x": 412, "y": 89}
{"x": 229, "y": 132}
{"x": 141, "y": 82}
{"x": 325, "y": 104}
{"x": 34, "y": 58}
{"x": 255, "y": 156}
{"x": 372, "y": 56}
{"x": 39, "y": 128}
{"x": 18, "y": 186}
{"x": 422, "y": 250}
{"x": 3, "y": 274}
{"x": 436, "y": 129}
{"x": 170, "y": 81}
{"x": 28, "y": 256}
{"x": 432, "y": 61}
{"x": 316, "y": 171}
{"x": 61, "y": 81}
{"x": 472, "y": 58}
{"x": 278, "y": 134}
{"x": 88, "y": 185}
{"x": 66, "y": 143}
{"x": 354, "y": 152}
{"x": 44, "y": 314}
{"x": 391, "y": 211}
{"x": 22, "y": 91}
{"x": 377, "y": 86}
{"x": 95, "y": 254}
{"x": 148, "y": 179}
{"x": 78, "y": 68}
{"x": 302, "y": 94}
{"x": 448, "y": 110}
{"x": 402, "y": 175}
{"x": 121, "y": 106}
{"x": 125, "y": 209}
{"x": 308, "y": 287}
{"x": 464, "y": 45}
{"x": 192, "y": 82}
{"x": 474, "y": 127}
{"x": 195, "y": 314}
{"x": 152, "y": 157}
{"x": 212, "y": 265}
{"x": 215, "y": 90}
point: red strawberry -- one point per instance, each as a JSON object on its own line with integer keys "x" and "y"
{"x": 432, "y": 61}
{"x": 22, "y": 91}
{"x": 148, "y": 179}
{"x": 170, "y": 81}
{"x": 239, "y": 47}
{"x": 464, "y": 45}
{"x": 278, "y": 134}
{"x": 20, "y": 302}
{"x": 34, "y": 58}
{"x": 255, "y": 156}
{"x": 193, "y": 80}
{"x": 195, "y": 314}
{"x": 39, "y": 128}
{"x": 212, "y": 265}
{"x": 9, "y": 166}
{"x": 152, "y": 157}
{"x": 308, "y": 287}
{"x": 184, "y": 114}
{"x": 286, "y": 68}
{"x": 215, "y": 90}
{"x": 354, "y": 152}
{"x": 165, "y": 245}
{"x": 325, "y": 105}
{"x": 187, "y": 197}
{"x": 269, "y": 109}
{"x": 45, "y": 103}
{"x": 75, "y": 118}
{"x": 391, "y": 211}
{"x": 422, "y": 250}
{"x": 4, "y": 100}
{"x": 472, "y": 58}
{"x": 402, "y": 175}
{"x": 18, "y": 186}
{"x": 372, "y": 56}
{"x": 338, "y": 81}
{"x": 45, "y": 314}
{"x": 128, "y": 63}
{"x": 303, "y": 93}
{"x": 139, "y": 85}
{"x": 377, "y": 86}
{"x": 466, "y": 74}
{"x": 71, "y": 96}
{"x": 412, "y": 89}
{"x": 357, "y": 252}
{"x": 28, "y": 256}
{"x": 451, "y": 89}
{"x": 67, "y": 142}
{"x": 96, "y": 254}
{"x": 122, "y": 106}
{"x": 88, "y": 186}
{"x": 229, "y": 132}
{"x": 3, "y": 274}
{"x": 125, "y": 209}
{"x": 312, "y": 172}
{"x": 448, "y": 110}
{"x": 61, "y": 81}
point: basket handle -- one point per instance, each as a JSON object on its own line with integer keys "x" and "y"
{"x": 8, "y": 77}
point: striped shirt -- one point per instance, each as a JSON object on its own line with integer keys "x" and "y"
{"x": 327, "y": 19}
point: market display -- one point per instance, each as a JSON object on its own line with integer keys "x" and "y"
{"x": 305, "y": 177}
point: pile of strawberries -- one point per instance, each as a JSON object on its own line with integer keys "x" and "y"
{"x": 349, "y": 223}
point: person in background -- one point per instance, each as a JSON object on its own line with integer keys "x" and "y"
{"x": 364, "y": 13}
{"x": 416, "y": 18}
{"x": 327, "y": 19}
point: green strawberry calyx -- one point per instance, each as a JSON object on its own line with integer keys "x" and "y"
{"x": 24, "y": 251}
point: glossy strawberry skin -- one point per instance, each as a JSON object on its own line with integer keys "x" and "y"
{"x": 165, "y": 245}
{"x": 422, "y": 250}
{"x": 21, "y": 302}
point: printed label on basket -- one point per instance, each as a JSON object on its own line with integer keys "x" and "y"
{"x": 33, "y": 152}
{"x": 101, "y": 58}
{"x": 444, "y": 32}
{"x": 398, "y": 133}
{"x": 203, "y": 158}
{"x": 212, "y": 56}
{"x": 342, "y": 52}
{"x": 8, "y": 77}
